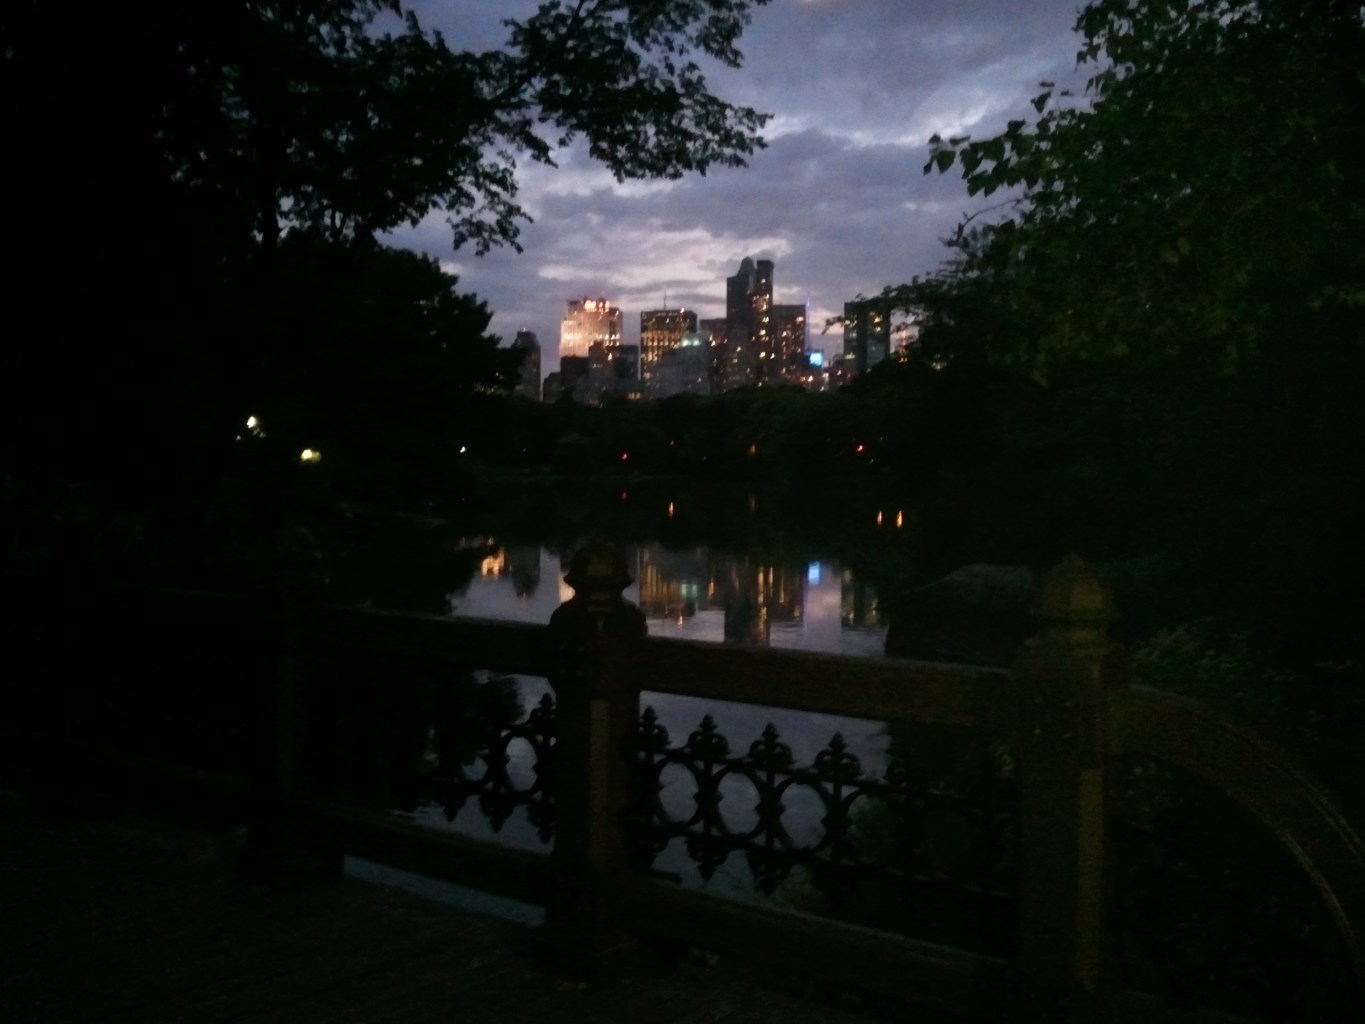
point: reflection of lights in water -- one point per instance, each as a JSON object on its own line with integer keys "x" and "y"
{"x": 900, "y": 520}
{"x": 670, "y": 510}
{"x": 879, "y": 518}
{"x": 773, "y": 605}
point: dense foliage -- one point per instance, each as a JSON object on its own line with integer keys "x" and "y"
{"x": 164, "y": 157}
{"x": 1175, "y": 257}
{"x": 1200, "y": 204}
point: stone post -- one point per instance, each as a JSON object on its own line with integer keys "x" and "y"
{"x": 280, "y": 848}
{"x": 596, "y": 700}
{"x": 1070, "y": 683}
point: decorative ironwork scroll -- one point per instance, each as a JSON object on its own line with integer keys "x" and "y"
{"x": 471, "y": 756}
{"x": 428, "y": 735}
{"x": 925, "y": 853}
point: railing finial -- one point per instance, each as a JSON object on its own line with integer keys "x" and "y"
{"x": 598, "y": 568}
{"x": 1075, "y": 604}
{"x": 597, "y": 572}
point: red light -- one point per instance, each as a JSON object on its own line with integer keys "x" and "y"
{"x": 858, "y": 449}
{"x": 624, "y": 456}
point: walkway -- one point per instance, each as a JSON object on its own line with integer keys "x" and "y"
{"x": 132, "y": 920}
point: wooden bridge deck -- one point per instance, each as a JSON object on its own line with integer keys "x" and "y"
{"x": 126, "y": 919}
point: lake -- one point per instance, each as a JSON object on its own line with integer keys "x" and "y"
{"x": 699, "y": 594}
{"x": 695, "y": 594}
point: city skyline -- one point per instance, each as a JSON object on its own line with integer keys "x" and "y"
{"x": 757, "y": 342}
{"x": 838, "y": 199}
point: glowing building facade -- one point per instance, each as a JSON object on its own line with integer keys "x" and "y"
{"x": 587, "y": 321}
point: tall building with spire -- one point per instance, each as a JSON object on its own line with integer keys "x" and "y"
{"x": 661, "y": 331}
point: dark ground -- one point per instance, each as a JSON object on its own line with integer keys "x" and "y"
{"x": 127, "y": 919}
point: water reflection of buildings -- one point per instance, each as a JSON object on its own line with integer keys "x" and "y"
{"x": 519, "y": 563}
{"x": 858, "y": 604}
{"x": 673, "y": 584}
{"x": 758, "y": 596}
{"x": 752, "y": 597}
{"x": 694, "y": 594}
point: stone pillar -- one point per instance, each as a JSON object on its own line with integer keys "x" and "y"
{"x": 596, "y": 702}
{"x": 1070, "y": 683}
{"x": 281, "y": 849}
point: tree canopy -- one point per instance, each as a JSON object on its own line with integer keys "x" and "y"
{"x": 163, "y": 153}
{"x": 1175, "y": 254}
{"x": 334, "y": 386}
{"x": 351, "y": 116}
{"x": 1201, "y": 201}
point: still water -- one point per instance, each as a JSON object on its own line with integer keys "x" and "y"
{"x": 695, "y": 594}
{"x": 706, "y": 595}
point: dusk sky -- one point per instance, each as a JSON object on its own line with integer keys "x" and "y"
{"x": 838, "y": 199}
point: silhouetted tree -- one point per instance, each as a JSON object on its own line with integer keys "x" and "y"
{"x": 1176, "y": 256}
{"x": 380, "y": 344}
{"x": 161, "y": 151}
{"x": 1199, "y": 205}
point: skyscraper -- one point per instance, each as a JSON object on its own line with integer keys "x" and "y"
{"x": 613, "y": 372}
{"x": 528, "y": 383}
{"x": 587, "y": 321}
{"x": 713, "y": 334}
{"x": 685, "y": 369}
{"x": 661, "y": 331}
{"x": 867, "y": 333}
{"x": 787, "y": 364}
{"x": 748, "y": 322}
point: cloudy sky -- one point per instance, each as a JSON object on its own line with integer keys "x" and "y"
{"x": 838, "y": 199}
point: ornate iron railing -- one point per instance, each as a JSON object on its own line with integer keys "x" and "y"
{"x": 927, "y": 855}
{"x": 304, "y": 707}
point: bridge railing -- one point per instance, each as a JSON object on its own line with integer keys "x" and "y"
{"x": 987, "y": 820}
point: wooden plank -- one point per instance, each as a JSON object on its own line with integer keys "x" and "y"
{"x": 889, "y": 690}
